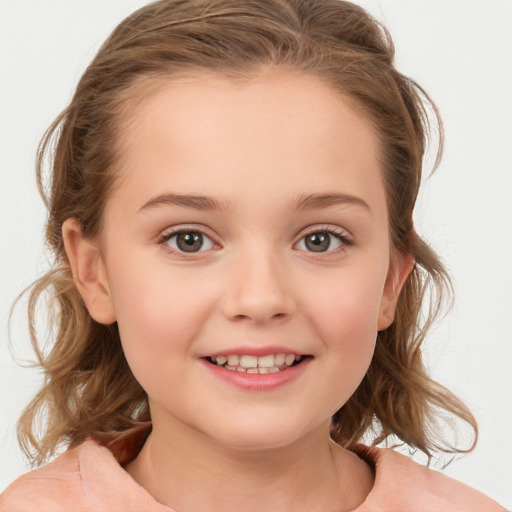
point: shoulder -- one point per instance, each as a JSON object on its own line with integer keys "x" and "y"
{"x": 56, "y": 486}
{"x": 87, "y": 477}
{"x": 402, "y": 484}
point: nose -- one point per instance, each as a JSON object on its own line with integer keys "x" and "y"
{"x": 259, "y": 290}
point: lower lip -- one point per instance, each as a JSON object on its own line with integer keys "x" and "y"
{"x": 258, "y": 381}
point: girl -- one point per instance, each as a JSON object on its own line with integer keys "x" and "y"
{"x": 238, "y": 280}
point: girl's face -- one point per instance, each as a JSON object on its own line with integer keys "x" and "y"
{"x": 248, "y": 227}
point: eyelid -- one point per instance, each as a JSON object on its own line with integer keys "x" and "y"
{"x": 339, "y": 232}
{"x": 168, "y": 233}
{"x": 331, "y": 229}
{"x": 326, "y": 228}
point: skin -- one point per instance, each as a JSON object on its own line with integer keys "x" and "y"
{"x": 256, "y": 149}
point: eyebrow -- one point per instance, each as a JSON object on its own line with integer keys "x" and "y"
{"x": 189, "y": 201}
{"x": 205, "y": 203}
{"x": 318, "y": 201}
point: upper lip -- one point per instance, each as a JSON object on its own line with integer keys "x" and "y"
{"x": 254, "y": 351}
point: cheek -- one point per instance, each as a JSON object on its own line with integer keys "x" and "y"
{"x": 346, "y": 318}
{"x": 157, "y": 311}
{"x": 157, "y": 322}
{"x": 347, "y": 305}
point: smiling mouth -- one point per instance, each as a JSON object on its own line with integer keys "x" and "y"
{"x": 271, "y": 363}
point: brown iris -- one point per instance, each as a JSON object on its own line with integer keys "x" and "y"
{"x": 318, "y": 242}
{"x": 189, "y": 241}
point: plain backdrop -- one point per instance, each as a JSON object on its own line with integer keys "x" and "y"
{"x": 459, "y": 50}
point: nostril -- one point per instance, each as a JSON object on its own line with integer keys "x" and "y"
{"x": 259, "y": 316}
{"x": 258, "y": 302}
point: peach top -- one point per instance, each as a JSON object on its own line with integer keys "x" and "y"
{"x": 89, "y": 478}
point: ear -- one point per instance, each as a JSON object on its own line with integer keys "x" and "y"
{"x": 89, "y": 272}
{"x": 400, "y": 267}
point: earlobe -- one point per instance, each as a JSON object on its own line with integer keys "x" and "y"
{"x": 89, "y": 272}
{"x": 399, "y": 271}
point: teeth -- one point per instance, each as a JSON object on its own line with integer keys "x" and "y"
{"x": 233, "y": 360}
{"x": 289, "y": 359}
{"x": 221, "y": 359}
{"x": 279, "y": 359}
{"x": 271, "y": 363}
{"x": 266, "y": 361}
{"x": 248, "y": 361}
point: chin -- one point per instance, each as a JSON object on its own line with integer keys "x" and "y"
{"x": 261, "y": 436}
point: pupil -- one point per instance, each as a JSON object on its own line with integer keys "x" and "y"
{"x": 318, "y": 242}
{"x": 189, "y": 242}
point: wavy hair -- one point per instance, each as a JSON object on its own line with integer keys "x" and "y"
{"x": 88, "y": 389}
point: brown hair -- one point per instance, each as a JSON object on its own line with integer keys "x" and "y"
{"x": 89, "y": 390}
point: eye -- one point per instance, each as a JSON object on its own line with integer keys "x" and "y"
{"x": 188, "y": 241}
{"x": 322, "y": 241}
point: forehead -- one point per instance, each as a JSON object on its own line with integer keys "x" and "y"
{"x": 206, "y": 131}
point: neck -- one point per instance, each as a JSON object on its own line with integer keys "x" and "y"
{"x": 193, "y": 473}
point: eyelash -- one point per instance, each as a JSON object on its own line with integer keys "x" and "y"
{"x": 167, "y": 236}
{"x": 340, "y": 234}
